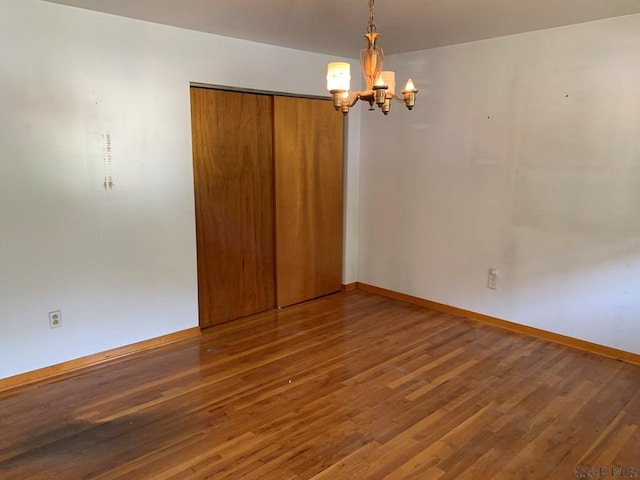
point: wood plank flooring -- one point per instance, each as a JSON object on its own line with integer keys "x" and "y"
{"x": 350, "y": 386}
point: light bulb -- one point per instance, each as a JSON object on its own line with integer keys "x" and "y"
{"x": 409, "y": 85}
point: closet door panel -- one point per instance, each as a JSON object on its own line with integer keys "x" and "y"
{"x": 308, "y": 198}
{"x": 233, "y": 181}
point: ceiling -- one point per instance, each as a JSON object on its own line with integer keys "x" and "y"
{"x": 335, "y": 26}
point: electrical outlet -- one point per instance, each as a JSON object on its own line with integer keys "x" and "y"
{"x": 55, "y": 319}
{"x": 492, "y": 279}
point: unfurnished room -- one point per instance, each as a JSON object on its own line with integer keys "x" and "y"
{"x": 319, "y": 240}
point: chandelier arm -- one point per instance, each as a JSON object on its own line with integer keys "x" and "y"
{"x": 355, "y": 96}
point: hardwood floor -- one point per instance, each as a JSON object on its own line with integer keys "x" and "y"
{"x": 350, "y": 386}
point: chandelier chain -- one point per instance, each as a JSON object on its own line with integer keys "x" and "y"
{"x": 372, "y": 26}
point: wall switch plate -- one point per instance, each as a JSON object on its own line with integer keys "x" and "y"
{"x": 55, "y": 319}
{"x": 492, "y": 279}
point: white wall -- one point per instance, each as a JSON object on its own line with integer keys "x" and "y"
{"x": 120, "y": 264}
{"x": 351, "y": 197}
{"x": 523, "y": 154}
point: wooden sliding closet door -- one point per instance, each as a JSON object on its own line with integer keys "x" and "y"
{"x": 233, "y": 177}
{"x": 308, "y": 188}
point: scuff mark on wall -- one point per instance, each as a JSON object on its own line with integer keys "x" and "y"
{"x": 107, "y": 162}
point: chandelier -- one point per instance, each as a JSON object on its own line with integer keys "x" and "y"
{"x": 381, "y": 85}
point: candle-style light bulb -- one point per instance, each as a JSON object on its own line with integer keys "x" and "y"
{"x": 409, "y": 94}
{"x": 410, "y": 85}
